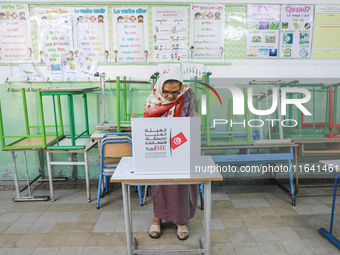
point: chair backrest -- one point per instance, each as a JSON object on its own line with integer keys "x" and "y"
{"x": 116, "y": 148}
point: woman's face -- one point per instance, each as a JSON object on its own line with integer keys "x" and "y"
{"x": 171, "y": 88}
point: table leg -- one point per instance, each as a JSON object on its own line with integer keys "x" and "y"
{"x": 50, "y": 177}
{"x": 27, "y": 177}
{"x": 71, "y": 117}
{"x": 323, "y": 231}
{"x": 17, "y": 191}
{"x": 207, "y": 216}
{"x": 88, "y": 191}
{"x": 86, "y": 115}
{"x": 128, "y": 229}
{"x": 291, "y": 180}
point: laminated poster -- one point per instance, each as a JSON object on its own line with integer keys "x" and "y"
{"x": 15, "y": 33}
{"x": 296, "y": 31}
{"x": 54, "y": 32}
{"x": 207, "y": 31}
{"x": 54, "y": 70}
{"x": 163, "y": 67}
{"x": 190, "y": 70}
{"x": 326, "y": 42}
{"x": 70, "y": 68}
{"x": 170, "y": 34}
{"x": 130, "y": 30}
{"x": 91, "y": 33}
{"x": 87, "y": 68}
{"x": 262, "y": 31}
{"x": 29, "y": 71}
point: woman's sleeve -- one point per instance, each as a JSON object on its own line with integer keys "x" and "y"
{"x": 192, "y": 104}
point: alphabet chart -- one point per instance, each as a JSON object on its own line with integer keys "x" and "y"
{"x": 91, "y": 33}
{"x": 262, "y": 31}
{"x": 296, "y": 31}
{"x": 207, "y": 31}
{"x": 170, "y": 34}
{"x": 54, "y": 32}
{"x": 15, "y": 32}
{"x": 130, "y": 29}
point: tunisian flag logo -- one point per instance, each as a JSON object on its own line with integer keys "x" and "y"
{"x": 178, "y": 140}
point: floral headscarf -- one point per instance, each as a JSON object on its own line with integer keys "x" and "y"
{"x": 156, "y": 105}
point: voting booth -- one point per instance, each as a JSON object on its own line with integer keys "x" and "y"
{"x": 166, "y": 145}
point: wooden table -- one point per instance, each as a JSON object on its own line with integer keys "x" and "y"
{"x": 125, "y": 174}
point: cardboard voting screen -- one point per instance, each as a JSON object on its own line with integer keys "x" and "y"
{"x": 166, "y": 145}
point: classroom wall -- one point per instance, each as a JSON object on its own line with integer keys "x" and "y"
{"x": 235, "y": 71}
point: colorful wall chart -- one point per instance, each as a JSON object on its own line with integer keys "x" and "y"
{"x": 54, "y": 70}
{"x": 326, "y": 43}
{"x": 296, "y": 31}
{"x": 15, "y": 32}
{"x": 54, "y": 32}
{"x": 170, "y": 34}
{"x": 130, "y": 29}
{"x": 91, "y": 33}
{"x": 207, "y": 31}
{"x": 262, "y": 31}
{"x": 70, "y": 68}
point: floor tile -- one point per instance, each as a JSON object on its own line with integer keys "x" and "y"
{"x": 321, "y": 246}
{"x": 10, "y": 217}
{"x": 233, "y": 223}
{"x": 29, "y": 217}
{"x": 44, "y": 251}
{"x": 306, "y": 232}
{"x": 96, "y": 250}
{"x": 40, "y": 227}
{"x": 254, "y": 222}
{"x": 18, "y": 228}
{"x": 259, "y": 202}
{"x": 246, "y": 248}
{"x": 69, "y": 216}
{"x": 242, "y": 203}
{"x": 21, "y": 251}
{"x": 239, "y": 235}
{"x": 222, "y": 249}
{"x": 4, "y": 251}
{"x": 49, "y": 217}
{"x": 296, "y": 247}
{"x": 29, "y": 240}
{"x": 284, "y": 233}
{"x": 71, "y": 251}
{"x": 262, "y": 234}
{"x": 271, "y": 247}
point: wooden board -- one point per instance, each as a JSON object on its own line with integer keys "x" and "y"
{"x": 32, "y": 141}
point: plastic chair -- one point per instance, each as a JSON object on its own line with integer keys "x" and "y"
{"x": 114, "y": 146}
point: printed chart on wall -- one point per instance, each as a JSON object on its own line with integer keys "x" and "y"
{"x": 207, "y": 31}
{"x": 326, "y": 43}
{"x": 296, "y": 31}
{"x": 54, "y": 32}
{"x": 130, "y": 30}
{"x": 170, "y": 34}
{"x": 15, "y": 33}
{"x": 91, "y": 33}
{"x": 262, "y": 31}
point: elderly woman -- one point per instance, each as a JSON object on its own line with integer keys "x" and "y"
{"x": 175, "y": 203}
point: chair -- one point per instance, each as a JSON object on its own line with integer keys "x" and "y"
{"x": 114, "y": 146}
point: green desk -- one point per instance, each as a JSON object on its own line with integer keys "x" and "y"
{"x": 70, "y": 93}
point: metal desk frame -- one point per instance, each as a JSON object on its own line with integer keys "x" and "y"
{"x": 55, "y": 149}
{"x": 323, "y": 231}
{"x": 249, "y": 158}
{"x": 205, "y": 241}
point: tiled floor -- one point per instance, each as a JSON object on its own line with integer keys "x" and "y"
{"x": 245, "y": 220}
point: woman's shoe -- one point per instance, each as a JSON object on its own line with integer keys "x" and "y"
{"x": 182, "y": 232}
{"x": 156, "y": 229}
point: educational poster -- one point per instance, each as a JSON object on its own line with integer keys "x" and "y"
{"x": 262, "y": 31}
{"x": 296, "y": 31}
{"x": 54, "y": 70}
{"x": 190, "y": 70}
{"x": 70, "y": 68}
{"x": 130, "y": 29}
{"x": 170, "y": 34}
{"x": 207, "y": 31}
{"x": 54, "y": 32}
{"x": 163, "y": 67}
{"x": 91, "y": 33}
{"x": 29, "y": 71}
{"x": 326, "y": 42}
{"x": 87, "y": 68}
{"x": 15, "y": 33}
